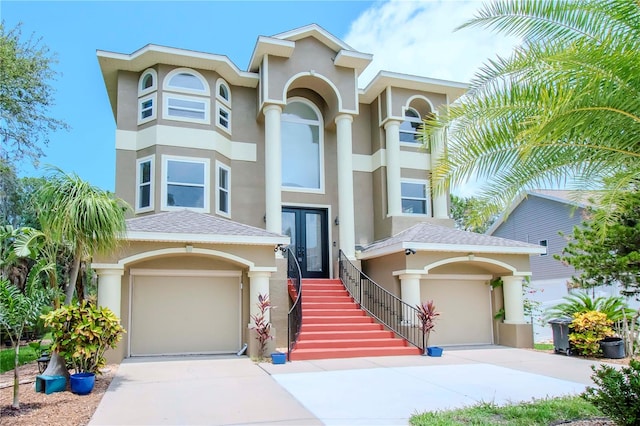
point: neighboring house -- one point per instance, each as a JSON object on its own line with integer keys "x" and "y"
{"x": 223, "y": 166}
{"x": 547, "y": 218}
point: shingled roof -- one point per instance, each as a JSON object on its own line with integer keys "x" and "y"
{"x": 187, "y": 225}
{"x": 429, "y": 237}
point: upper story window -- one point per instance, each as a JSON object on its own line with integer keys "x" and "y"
{"x": 186, "y": 80}
{"x": 192, "y": 108}
{"x": 223, "y": 190}
{"x": 144, "y": 179}
{"x": 415, "y": 197}
{"x": 409, "y": 129}
{"x": 223, "y": 105}
{"x": 147, "y": 87}
{"x": 185, "y": 183}
{"x": 545, "y": 244}
{"x": 302, "y": 147}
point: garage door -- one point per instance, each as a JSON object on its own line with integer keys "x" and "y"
{"x": 465, "y": 311}
{"x": 184, "y": 314}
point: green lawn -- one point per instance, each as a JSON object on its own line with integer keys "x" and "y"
{"x": 538, "y": 412}
{"x": 543, "y": 346}
{"x": 27, "y": 355}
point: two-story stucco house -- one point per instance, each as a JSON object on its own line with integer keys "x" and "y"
{"x": 222, "y": 166}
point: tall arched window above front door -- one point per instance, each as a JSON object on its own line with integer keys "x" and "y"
{"x": 302, "y": 147}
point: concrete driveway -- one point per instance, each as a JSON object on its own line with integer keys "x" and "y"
{"x": 371, "y": 391}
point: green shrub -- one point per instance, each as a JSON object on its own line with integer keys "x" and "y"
{"x": 618, "y": 392}
{"x": 82, "y": 334}
{"x": 614, "y": 307}
{"x": 587, "y": 330}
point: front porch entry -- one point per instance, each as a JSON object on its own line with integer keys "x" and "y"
{"x": 307, "y": 229}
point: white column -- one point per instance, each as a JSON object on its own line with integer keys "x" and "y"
{"x": 273, "y": 167}
{"x": 513, "y": 300}
{"x": 440, "y": 209}
{"x": 410, "y": 289}
{"x": 394, "y": 194}
{"x": 410, "y": 293}
{"x": 346, "y": 213}
{"x": 110, "y": 286}
{"x": 258, "y": 284}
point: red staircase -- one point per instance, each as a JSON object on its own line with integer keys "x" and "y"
{"x": 333, "y": 326}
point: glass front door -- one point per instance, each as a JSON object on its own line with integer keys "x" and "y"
{"x": 307, "y": 229}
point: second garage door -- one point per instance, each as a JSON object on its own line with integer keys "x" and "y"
{"x": 184, "y": 314}
{"x": 465, "y": 311}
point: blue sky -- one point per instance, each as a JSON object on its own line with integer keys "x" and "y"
{"x": 408, "y": 36}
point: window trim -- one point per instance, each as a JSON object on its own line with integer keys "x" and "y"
{"x": 321, "y": 189}
{"x": 404, "y": 119}
{"x": 165, "y": 109}
{"x": 206, "y": 186}
{"x": 222, "y": 166}
{"x": 167, "y": 87}
{"x": 427, "y": 198}
{"x": 154, "y": 86}
{"x": 154, "y": 108}
{"x": 151, "y": 206}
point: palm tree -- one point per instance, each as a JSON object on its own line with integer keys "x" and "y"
{"x": 83, "y": 216}
{"x": 562, "y": 109}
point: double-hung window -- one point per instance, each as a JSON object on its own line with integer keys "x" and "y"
{"x": 223, "y": 190}
{"x": 185, "y": 183}
{"x": 144, "y": 179}
{"x": 415, "y": 197}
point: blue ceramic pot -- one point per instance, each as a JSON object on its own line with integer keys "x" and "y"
{"x": 278, "y": 358}
{"x": 82, "y": 383}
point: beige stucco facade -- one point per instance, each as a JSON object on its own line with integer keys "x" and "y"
{"x": 195, "y": 132}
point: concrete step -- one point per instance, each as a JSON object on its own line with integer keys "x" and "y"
{"x": 372, "y": 326}
{"x": 326, "y": 319}
{"x": 342, "y": 335}
{"x": 351, "y": 343}
{"x": 307, "y": 354}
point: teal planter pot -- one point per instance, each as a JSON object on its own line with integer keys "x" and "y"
{"x": 434, "y": 351}
{"x": 82, "y": 383}
{"x": 278, "y": 358}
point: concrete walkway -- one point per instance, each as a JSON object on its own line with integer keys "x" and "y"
{"x": 366, "y": 391}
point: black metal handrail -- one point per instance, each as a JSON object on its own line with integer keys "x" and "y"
{"x": 295, "y": 313}
{"x": 388, "y": 309}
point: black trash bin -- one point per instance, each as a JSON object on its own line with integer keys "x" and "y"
{"x": 560, "y": 329}
{"x": 612, "y": 347}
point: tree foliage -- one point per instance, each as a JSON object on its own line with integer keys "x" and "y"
{"x": 467, "y": 213}
{"x": 26, "y": 95}
{"x": 564, "y": 106}
{"x": 608, "y": 255}
{"x": 85, "y": 218}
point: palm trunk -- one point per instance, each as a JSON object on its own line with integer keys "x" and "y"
{"x": 16, "y": 379}
{"x": 73, "y": 276}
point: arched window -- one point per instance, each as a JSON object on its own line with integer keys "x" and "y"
{"x": 302, "y": 147}
{"x": 223, "y": 107}
{"x": 147, "y": 86}
{"x": 186, "y": 81}
{"x": 410, "y": 126}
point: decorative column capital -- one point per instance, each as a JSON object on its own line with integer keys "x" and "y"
{"x": 108, "y": 269}
{"x": 341, "y": 117}
{"x": 390, "y": 123}
{"x": 272, "y": 107}
{"x": 259, "y": 274}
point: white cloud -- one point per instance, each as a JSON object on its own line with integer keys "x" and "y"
{"x": 417, "y": 37}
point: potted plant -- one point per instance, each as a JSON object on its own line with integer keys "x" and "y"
{"x": 81, "y": 335}
{"x": 263, "y": 329}
{"x": 427, "y": 315}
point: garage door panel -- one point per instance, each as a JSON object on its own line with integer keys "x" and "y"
{"x": 465, "y": 311}
{"x": 183, "y": 315}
